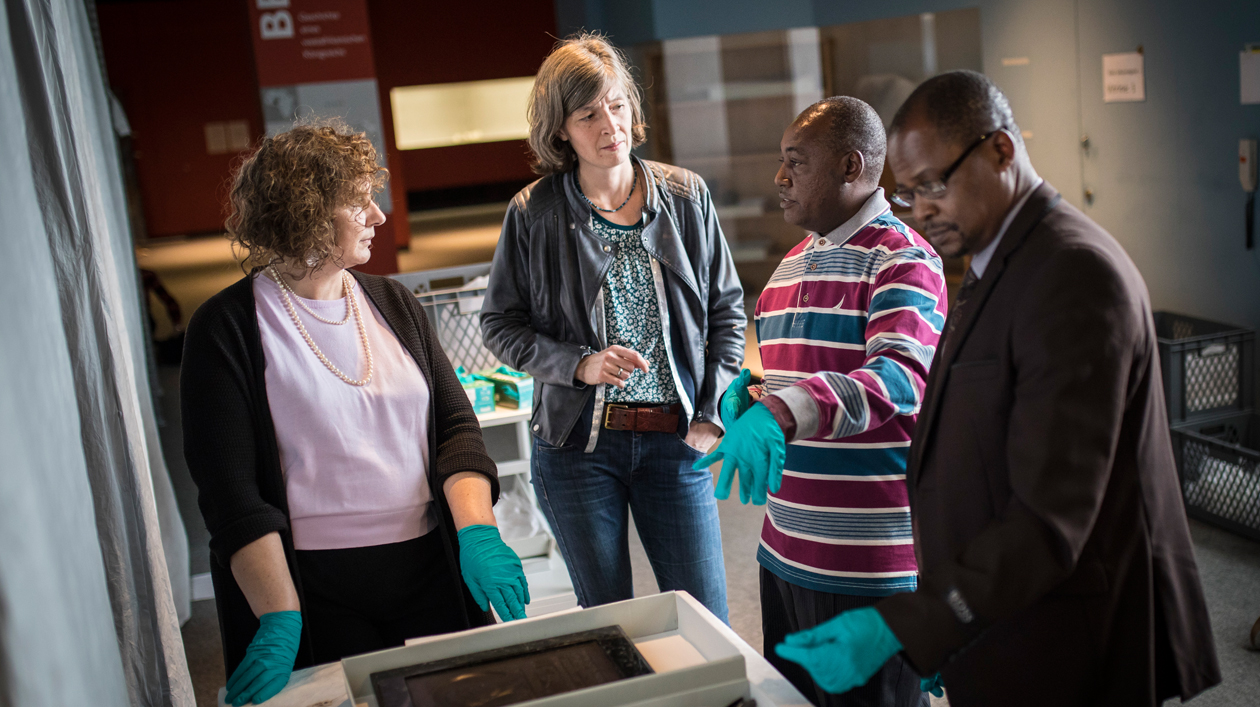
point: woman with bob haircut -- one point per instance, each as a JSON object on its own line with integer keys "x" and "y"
{"x": 613, "y": 286}
{"x": 340, "y": 468}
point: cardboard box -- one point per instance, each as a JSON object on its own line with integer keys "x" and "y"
{"x": 481, "y": 395}
{"x": 694, "y": 660}
{"x": 510, "y": 391}
{"x": 480, "y": 392}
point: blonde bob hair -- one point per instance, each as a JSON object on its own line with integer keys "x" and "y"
{"x": 579, "y": 71}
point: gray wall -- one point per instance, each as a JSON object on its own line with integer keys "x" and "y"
{"x": 1163, "y": 172}
{"x": 86, "y": 608}
{"x": 57, "y": 640}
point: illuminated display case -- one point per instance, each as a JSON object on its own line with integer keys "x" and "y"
{"x": 463, "y": 113}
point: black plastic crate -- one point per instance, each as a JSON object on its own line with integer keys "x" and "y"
{"x": 1220, "y": 471}
{"x": 1209, "y": 368}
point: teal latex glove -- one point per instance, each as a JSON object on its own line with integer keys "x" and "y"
{"x": 842, "y": 653}
{"x": 735, "y": 402}
{"x": 753, "y": 448}
{"x": 268, "y": 661}
{"x": 492, "y": 571}
{"x": 933, "y": 685}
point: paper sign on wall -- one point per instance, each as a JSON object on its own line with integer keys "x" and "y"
{"x": 1124, "y": 78}
{"x": 1249, "y": 74}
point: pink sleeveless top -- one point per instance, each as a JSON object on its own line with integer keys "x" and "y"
{"x": 354, "y": 458}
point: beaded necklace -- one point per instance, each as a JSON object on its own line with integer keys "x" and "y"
{"x": 352, "y": 306}
{"x": 633, "y": 184}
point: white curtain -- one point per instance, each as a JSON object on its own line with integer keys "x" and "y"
{"x": 87, "y": 614}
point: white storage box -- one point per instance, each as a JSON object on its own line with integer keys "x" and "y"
{"x": 696, "y": 664}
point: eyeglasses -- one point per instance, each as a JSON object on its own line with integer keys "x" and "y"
{"x": 935, "y": 189}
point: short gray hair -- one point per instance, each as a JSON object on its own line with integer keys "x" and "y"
{"x": 578, "y": 71}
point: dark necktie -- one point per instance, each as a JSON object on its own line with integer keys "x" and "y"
{"x": 960, "y": 302}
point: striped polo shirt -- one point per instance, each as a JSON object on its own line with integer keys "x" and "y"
{"x": 847, "y": 328}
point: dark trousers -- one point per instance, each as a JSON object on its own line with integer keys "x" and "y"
{"x": 367, "y": 598}
{"x": 788, "y": 608}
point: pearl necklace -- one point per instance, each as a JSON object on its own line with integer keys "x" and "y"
{"x": 345, "y": 292}
{"x": 351, "y": 303}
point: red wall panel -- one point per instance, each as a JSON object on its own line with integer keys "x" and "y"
{"x": 176, "y": 65}
{"x": 466, "y": 165}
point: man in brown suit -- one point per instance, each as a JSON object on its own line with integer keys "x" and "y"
{"x": 1055, "y": 563}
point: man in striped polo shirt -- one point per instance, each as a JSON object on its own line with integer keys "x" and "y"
{"x": 847, "y": 327}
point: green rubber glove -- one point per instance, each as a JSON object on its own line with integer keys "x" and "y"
{"x": 842, "y": 653}
{"x": 933, "y": 685}
{"x": 753, "y": 448}
{"x": 492, "y": 571}
{"x": 268, "y": 661}
{"x": 735, "y": 402}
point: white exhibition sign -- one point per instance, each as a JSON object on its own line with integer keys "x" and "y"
{"x": 1124, "y": 78}
{"x": 1249, "y": 75}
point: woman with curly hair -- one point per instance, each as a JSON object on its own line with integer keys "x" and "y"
{"x": 612, "y": 284}
{"x": 341, "y": 470}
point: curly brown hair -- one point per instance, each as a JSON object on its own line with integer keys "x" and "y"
{"x": 284, "y": 196}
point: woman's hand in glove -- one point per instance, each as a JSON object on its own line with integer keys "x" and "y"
{"x": 268, "y": 661}
{"x": 492, "y": 571}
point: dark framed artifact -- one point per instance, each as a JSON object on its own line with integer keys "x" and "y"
{"x": 514, "y": 674}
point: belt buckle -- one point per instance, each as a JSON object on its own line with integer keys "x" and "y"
{"x": 608, "y": 408}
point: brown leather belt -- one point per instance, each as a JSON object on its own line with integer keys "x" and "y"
{"x": 642, "y": 419}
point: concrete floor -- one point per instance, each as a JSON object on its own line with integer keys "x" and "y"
{"x": 1229, "y": 567}
{"x": 195, "y": 269}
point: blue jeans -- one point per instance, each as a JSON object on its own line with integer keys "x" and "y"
{"x": 585, "y": 498}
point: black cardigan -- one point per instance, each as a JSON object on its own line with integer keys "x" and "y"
{"x": 230, "y": 442}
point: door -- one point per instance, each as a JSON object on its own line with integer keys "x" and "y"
{"x": 1161, "y": 174}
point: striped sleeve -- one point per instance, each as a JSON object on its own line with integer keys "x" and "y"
{"x": 905, "y": 318}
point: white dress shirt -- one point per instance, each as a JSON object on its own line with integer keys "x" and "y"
{"x": 980, "y": 260}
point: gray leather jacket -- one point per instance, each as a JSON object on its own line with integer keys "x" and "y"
{"x": 544, "y": 303}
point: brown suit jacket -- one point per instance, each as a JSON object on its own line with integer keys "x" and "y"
{"x": 1055, "y": 563}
